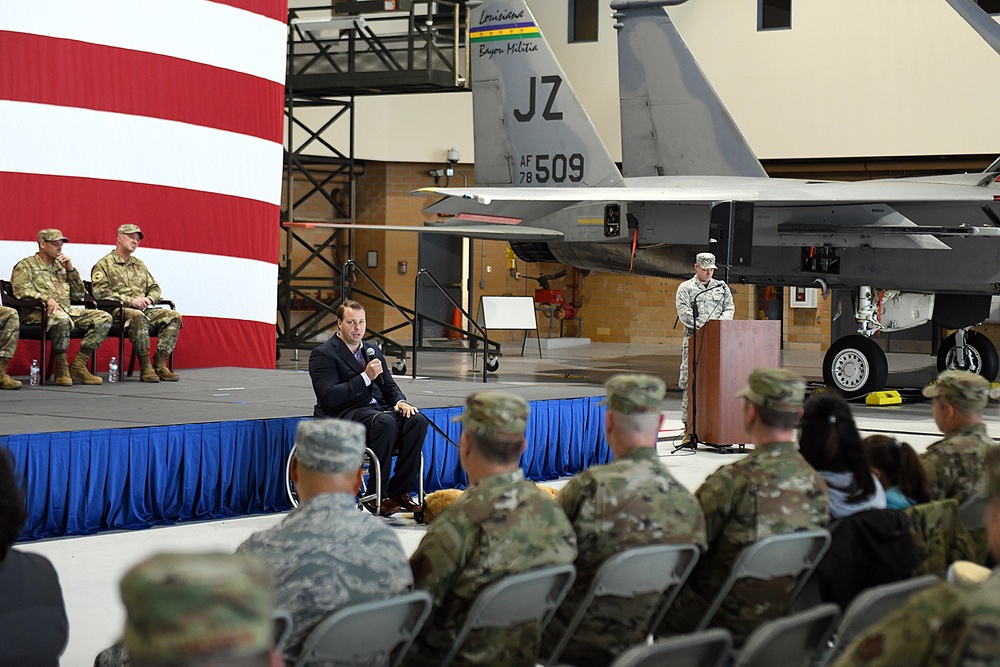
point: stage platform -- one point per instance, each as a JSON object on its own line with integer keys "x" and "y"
{"x": 133, "y": 455}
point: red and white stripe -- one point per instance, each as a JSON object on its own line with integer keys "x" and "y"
{"x": 163, "y": 113}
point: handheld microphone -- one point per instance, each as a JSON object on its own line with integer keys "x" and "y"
{"x": 370, "y": 353}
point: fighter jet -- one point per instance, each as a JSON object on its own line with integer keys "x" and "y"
{"x": 912, "y": 250}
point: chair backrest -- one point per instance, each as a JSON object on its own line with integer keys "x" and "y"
{"x": 361, "y": 633}
{"x": 282, "y": 621}
{"x": 872, "y": 606}
{"x": 518, "y": 598}
{"x": 790, "y": 641}
{"x": 973, "y": 512}
{"x": 708, "y": 648}
{"x": 656, "y": 568}
{"x": 787, "y": 555}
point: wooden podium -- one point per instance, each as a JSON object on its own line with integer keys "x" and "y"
{"x": 727, "y": 351}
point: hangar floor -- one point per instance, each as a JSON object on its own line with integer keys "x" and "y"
{"x": 90, "y": 567}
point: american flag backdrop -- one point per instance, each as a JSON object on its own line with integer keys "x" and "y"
{"x": 163, "y": 113}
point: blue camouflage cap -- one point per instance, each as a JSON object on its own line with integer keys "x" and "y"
{"x": 495, "y": 415}
{"x": 775, "y": 389}
{"x": 634, "y": 393}
{"x": 183, "y": 607}
{"x": 331, "y": 446}
{"x": 962, "y": 389}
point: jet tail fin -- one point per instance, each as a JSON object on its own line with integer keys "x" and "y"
{"x": 673, "y": 123}
{"x": 530, "y": 128}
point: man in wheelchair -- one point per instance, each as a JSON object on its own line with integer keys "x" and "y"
{"x": 348, "y": 378}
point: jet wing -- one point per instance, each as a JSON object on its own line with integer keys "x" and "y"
{"x": 503, "y": 232}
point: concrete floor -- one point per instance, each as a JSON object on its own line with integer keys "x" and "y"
{"x": 90, "y": 567}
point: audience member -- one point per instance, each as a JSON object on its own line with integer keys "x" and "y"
{"x": 771, "y": 491}
{"x": 33, "y": 620}
{"x": 122, "y": 277}
{"x": 899, "y": 469}
{"x": 830, "y": 442}
{"x": 633, "y": 501}
{"x": 350, "y": 383}
{"x": 502, "y": 525}
{"x": 943, "y": 625}
{"x": 49, "y": 276}
{"x": 955, "y": 463}
{"x": 325, "y": 554}
{"x": 198, "y": 610}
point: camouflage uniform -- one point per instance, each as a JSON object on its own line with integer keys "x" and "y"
{"x": 117, "y": 279}
{"x": 325, "y": 554}
{"x": 771, "y": 491}
{"x": 9, "y": 327}
{"x": 501, "y": 525}
{"x": 715, "y": 305}
{"x": 633, "y": 501}
{"x": 33, "y": 279}
{"x": 944, "y": 625}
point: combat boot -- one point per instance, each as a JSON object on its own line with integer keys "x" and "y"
{"x": 63, "y": 378}
{"x": 146, "y": 369}
{"x": 160, "y": 366}
{"x": 78, "y": 370}
{"x": 6, "y": 381}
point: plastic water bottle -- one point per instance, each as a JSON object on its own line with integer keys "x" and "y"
{"x": 36, "y": 373}
{"x": 113, "y": 370}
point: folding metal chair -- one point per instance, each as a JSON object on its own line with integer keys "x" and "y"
{"x": 708, "y": 648}
{"x": 518, "y": 598}
{"x": 363, "y": 633}
{"x": 872, "y": 606}
{"x": 788, "y": 555}
{"x": 790, "y": 641}
{"x": 657, "y": 568}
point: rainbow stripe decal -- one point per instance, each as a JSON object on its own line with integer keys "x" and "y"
{"x": 505, "y": 32}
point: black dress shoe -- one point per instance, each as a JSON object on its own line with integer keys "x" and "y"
{"x": 405, "y": 503}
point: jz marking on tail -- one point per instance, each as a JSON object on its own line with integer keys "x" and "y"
{"x": 547, "y": 114}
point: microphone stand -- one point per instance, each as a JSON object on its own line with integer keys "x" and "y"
{"x": 693, "y": 387}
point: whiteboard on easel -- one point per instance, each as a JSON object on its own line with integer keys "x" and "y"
{"x": 507, "y": 312}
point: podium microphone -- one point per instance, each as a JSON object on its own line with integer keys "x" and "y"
{"x": 370, "y": 353}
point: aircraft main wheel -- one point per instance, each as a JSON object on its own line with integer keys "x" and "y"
{"x": 293, "y": 495}
{"x": 492, "y": 363}
{"x": 980, "y": 355}
{"x": 855, "y": 366}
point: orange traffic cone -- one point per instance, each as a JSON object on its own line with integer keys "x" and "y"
{"x": 456, "y": 321}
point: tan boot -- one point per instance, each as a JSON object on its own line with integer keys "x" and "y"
{"x": 146, "y": 369}
{"x": 63, "y": 378}
{"x": 78, "y": 370}
{"x": 160, "y": 366}
{"x": 6, "y": 381}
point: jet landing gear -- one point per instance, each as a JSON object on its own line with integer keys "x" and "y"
{"x": 967, "y": 350}
{"x": 855, "y": 365}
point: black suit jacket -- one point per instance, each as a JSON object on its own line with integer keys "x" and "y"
{"x": 340, "y": 389}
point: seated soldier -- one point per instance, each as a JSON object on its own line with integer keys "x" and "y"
{"x": 502, "y": 525}
{"x": 9, "y": 332}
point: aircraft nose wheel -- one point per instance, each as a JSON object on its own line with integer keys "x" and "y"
{"x": 855, "y": 366}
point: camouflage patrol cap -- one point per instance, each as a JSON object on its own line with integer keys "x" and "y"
{"x": 51, "y": 235}
{"x": 495, "y": 415}
{"x": 775, "y": 389}
{"x": 961, "y": 388}
{"x": 705, "y": 260}
{"x": 131, "y": 229}
{"x": 180, "y": 607}
{"x": 634, "y": 394}
{"x": 331, "y": 446}
{"x": 993, "y": 472}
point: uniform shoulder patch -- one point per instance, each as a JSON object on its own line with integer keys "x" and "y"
{"x": 97, "y": 276}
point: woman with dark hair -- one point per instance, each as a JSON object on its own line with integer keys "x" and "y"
{"x": 900, "y": 470}
{"x": 32, "y": 612}
{"x": 830, "y": 442}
